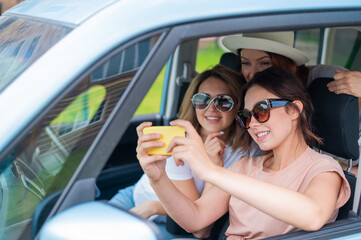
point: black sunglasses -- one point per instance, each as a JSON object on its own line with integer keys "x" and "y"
{"x": 261, "y": 111}
{"x": 202, "y": 101}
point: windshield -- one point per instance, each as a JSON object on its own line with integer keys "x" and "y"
{"x": 22, "y": 41}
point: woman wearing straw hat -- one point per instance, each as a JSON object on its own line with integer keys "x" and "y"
{"x": 258, "y": 51}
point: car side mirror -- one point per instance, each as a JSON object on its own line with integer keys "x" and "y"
{"x": 98, "y": 220}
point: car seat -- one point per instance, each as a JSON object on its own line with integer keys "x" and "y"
{"x": 336, "y": 121}
{"x": 231, "y": 60}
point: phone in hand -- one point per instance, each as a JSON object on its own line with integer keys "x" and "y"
{"x": 167, "y": 134}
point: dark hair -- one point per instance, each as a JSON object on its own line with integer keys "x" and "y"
{"x": 285, "y": 85}
{"x": 286, "y": 63}
{"x": 234, "y": 83}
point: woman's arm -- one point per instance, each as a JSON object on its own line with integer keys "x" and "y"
{"x": 188, "y": 188}
{"x": 308, "y": 211}
{"x": 192, "y": 216}
{"x": 150, "y": 208}
{"x": 205, "y": 232}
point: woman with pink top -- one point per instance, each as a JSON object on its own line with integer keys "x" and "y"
{"x": 292, "y": 187}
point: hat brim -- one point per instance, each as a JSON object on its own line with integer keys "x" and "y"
{"x": 233, "y": 43}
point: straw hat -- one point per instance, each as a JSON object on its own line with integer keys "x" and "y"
{"x": 274, "y": 42}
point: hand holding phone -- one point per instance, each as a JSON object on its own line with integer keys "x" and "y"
{"x": 167, "y": 134}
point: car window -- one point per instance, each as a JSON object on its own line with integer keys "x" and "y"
{"x": 209, "y": 53}
{"x": 152, "y": 100}
{"x": 307, "y": 41}
{"x": 22, "y": 42}
{"x": 343, "y": 47}
{"x": 47, "y": 157}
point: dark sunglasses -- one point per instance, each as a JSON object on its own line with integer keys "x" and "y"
{"x": 261, "y": 111}
{"x": 202, "y": 101}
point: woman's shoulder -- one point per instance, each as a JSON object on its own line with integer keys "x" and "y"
{"x": 321, "y": 159}
{"x": 249, "y": 163}
{"x": 317, "y": 163}
{"x": 324, "y": 163}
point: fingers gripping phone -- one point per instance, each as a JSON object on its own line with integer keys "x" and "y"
{"x": 167, "y": 134}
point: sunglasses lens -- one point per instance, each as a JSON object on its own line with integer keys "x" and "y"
{"x": 224, "y": 103}
{"x": 244, "y": 117}
{"x": 200, "y": 101}
{"x": 261, "y": 112}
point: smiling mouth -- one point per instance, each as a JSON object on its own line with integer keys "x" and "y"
{"x": 213, "y": 118}
{"x": 262, "y": 134}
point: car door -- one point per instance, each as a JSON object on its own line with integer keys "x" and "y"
{"x": 60, "y": 139}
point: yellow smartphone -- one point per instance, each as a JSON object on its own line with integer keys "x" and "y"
{"x": 168, "y": 133}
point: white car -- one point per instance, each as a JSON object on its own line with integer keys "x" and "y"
{"x": 73, "y": 74}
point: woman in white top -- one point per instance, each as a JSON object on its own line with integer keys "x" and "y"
{"x": 214, "y": 95}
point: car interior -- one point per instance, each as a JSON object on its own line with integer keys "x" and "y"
{"x": 336, "y": 116}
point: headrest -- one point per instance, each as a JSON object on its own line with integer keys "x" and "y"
{"x": 322, "y": 71}
{"x": 336, "y": 119}
{"x": 231, "y": 60}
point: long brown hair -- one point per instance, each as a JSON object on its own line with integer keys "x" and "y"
{"x": 284, "y": 84}
{"x": 234, "y": 83}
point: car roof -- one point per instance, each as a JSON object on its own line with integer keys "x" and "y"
{"x": 166, "y": 11}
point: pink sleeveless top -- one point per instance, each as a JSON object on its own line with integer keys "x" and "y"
{"x": 247, "y": 222}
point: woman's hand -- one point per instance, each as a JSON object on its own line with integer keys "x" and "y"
{"x": 215, "y": 148}
{"x": 148, "y": 209}
{"x": 190, "y": 149}
{"x": 348, "y": 82}
{"x": 152, "y": 165}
